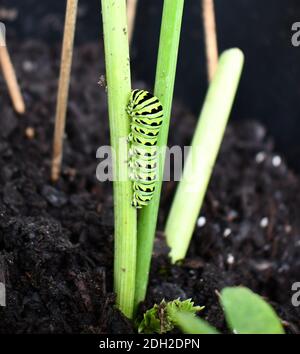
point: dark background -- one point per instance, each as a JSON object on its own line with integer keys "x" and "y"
{"x": 270, "y": 88}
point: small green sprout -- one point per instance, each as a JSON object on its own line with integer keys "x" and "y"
{"x": 245, "y": 313}
{"x": 161, "y": 318}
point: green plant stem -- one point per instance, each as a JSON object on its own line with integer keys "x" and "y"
{"x": 201, "y": 159}
{"x": 119, "y": 87}
{"x": 164, "y": 87}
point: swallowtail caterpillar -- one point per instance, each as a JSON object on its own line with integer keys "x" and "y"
{"x": 146, "y": 114}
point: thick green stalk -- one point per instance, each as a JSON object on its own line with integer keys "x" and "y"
{"x": 164, "y": 87}
{"x": 205, "y": 147}
{"x": 119, "y": 87}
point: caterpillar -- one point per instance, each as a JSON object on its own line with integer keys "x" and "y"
{"x": 146, "y": 114}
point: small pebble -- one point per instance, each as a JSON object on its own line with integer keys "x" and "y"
{"x": 276, "y": 161}
{"x": 30, "y": 133}
{"x": 230, "y": 259}
{"x": 227, "y": 232}
{"x": 28, "y": 66}
{"x": 260, "y": 157}
{"x": 55, "y": 197}
{"x": 264, "y": 222}
{"x": 232, "y": 215}
{"x": 262, "y": 266}
{"x": 201, "y": 221}
{"x": 288, "y": 229}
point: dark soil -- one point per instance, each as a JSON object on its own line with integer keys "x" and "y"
{"x": 56, "y": 241}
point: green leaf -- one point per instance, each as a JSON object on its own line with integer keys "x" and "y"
{"x": 151, "y": 322}
{"x": 247, "y": 313}
{"x": 160, "y": 318}
{"x": 185, "y": 306}
{"x": 189, "y": 324}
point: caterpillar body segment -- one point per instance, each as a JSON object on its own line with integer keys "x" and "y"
{"x": 146, "y": 114}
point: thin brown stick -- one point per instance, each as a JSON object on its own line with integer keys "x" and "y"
{"x": 63, "y": 87}
{"x": 210, "y": 37}
{"x": 11, "y": 80}
{"x": 131, "y": 13}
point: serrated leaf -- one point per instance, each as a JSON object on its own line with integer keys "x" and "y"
{"x": 186, "y": 306}
{"x": 160, "y": 318}
{"x": 247, "y": 313}
{"x": 151, "y": 322}
{"x": 189, "y": 324}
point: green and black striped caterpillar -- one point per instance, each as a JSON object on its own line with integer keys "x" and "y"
{"x": 146, "y": 113}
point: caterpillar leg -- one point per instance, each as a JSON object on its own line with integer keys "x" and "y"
{"x": 129, "y": 160}
{"x": 130, "y": 153}
{"x": 130, "y": 137}
{"x": 136, "y": 204}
